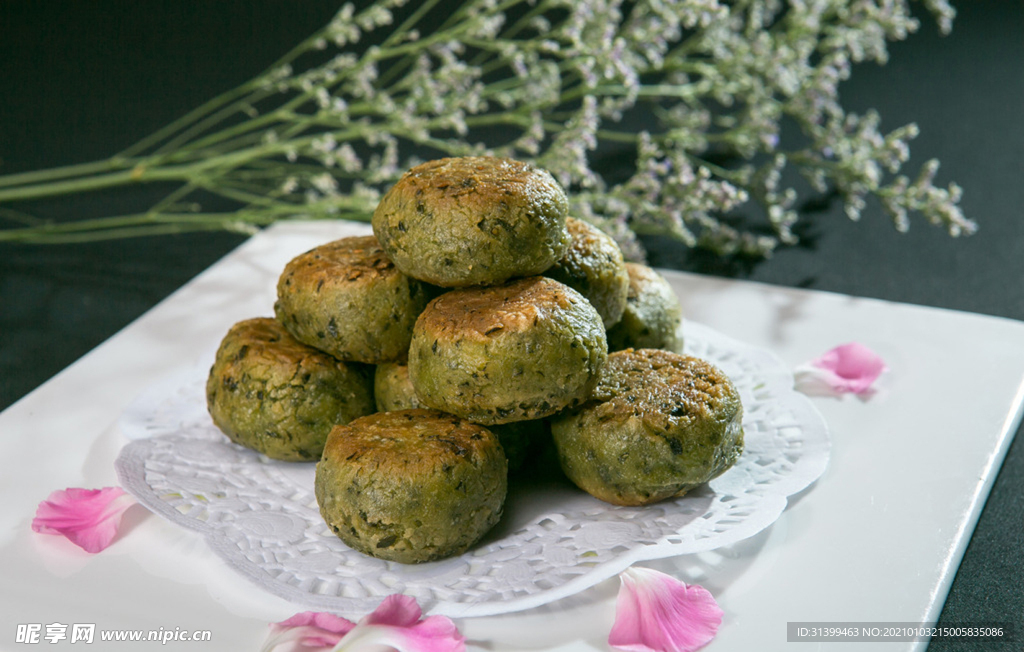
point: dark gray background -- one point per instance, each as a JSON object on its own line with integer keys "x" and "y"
{"x": 81, "y": 81}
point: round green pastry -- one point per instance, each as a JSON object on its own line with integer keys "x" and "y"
{"x": 652, "y": 316}
{"x": 457, "y": 222}
{"x": 270, "y": 393}
{"x": 348, "y": 299}
{"x": 519, "y": 351}
{"x": 658, "y": 425}
{"x": 394, "y": 391}
{"x": 594, "y": 267}
{"x": 392, "y": 388}
{"x": 411, "y": 486}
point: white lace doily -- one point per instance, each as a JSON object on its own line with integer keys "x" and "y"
{"x": 261, "y": 516}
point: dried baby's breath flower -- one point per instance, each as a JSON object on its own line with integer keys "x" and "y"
{"x": 332, "y": 124}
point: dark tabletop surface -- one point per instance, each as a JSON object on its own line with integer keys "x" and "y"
{"x": 81, "y": 81}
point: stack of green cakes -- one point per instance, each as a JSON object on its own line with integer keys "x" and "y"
{"x": 420, "y": 364}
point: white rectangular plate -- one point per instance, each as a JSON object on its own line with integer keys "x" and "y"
{"x": 878, "y": 538}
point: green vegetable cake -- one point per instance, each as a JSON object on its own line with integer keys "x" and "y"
{"x": 411, "y": 486}
{"x": 652, "y": 316}
{"x": 457, "y": 222}
{"x": 268, "y": 392}
{"x": 392, "y": 388}
{"x": 348, "y": 299}
{"x": 594, "y": 267}
{"x": 658, "y": 425}
{"x": 519, "y": 351}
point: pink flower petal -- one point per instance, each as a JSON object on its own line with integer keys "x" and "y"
{"x": 325, "y": 621}
{"x": 396, "y": 610}
{"x": 655, "y": 612}
{"x": 89, "y": 518}
{"x": 851, "y": 368}
{"x": 396, "y": 624}
{"x": 313, "y": 629}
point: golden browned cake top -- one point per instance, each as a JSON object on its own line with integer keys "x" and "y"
{"x": 356, "y": 258}
{"x": 264, "y": 338}
{"x": 479, "y": 180}
{"x": 480, "y": 312}
{"x": 640, "y": 277}
{"x": 588, "y": 240}
{"x": 663, "y": 388}
{"x": 409, "y": 440}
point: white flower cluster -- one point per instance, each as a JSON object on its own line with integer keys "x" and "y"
{"x": 713, "y": 85}
{"x": 555, "y": 80}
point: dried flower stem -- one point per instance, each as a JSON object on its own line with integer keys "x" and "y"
{"x": 547, "y": 81}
